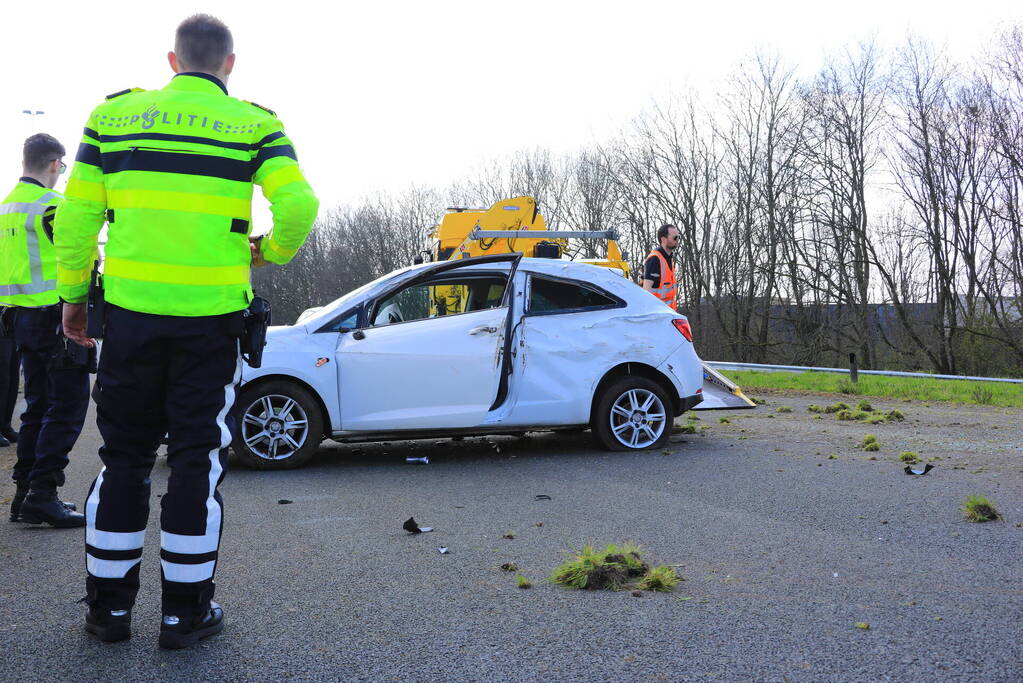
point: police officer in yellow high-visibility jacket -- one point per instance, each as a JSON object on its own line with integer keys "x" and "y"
{"x": 56, "y": 385}
{"x": 171, "y": 172}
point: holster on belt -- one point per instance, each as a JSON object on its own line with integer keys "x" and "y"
{"x": 256, "y": 319}
{"x": 96, "y": 307}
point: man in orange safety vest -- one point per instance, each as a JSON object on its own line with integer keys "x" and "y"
{"x": 659, "y": 269}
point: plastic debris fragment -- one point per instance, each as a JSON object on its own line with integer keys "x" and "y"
{"x": 420, "y": 461}
{"x": 413, "y": 528}
{"x": 442, "y": 550}
{"x": 284, "y": 501}
{"x": 541, "y": 496}
{"x": 927, "y": 468}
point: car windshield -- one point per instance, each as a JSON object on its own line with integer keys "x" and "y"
{"x": 353, "y": 296}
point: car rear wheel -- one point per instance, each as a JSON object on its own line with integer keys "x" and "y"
{"x": 280, "y": 425}
{"x": 632, "y": 414}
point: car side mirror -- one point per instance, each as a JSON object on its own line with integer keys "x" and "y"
{"x": 358, "y": 335}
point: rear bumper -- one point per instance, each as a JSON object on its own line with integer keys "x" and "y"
{"x": 688, "y": 403}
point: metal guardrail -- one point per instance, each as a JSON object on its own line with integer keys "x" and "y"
{"x": 723, "y": 365}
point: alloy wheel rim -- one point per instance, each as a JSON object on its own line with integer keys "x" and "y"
{"x": 274, "y": 427}
{"x": 637, "y": 418}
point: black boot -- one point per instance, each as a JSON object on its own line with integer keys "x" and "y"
{"x": 42, "y": 505}
{"x": 110, "y": 626}
{"x": 178, "y": 632}
{"x": 9, "y": 433}
{"x": 19, "y": 498}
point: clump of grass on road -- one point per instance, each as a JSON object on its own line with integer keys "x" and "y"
{"x": 917, "y": 388}
{"x": 979, "y": 509}
{"x": 522, "y": 582}
{"x": 662, "y": 578}
{"x": 612, "y": 568}
{"x": 909, "y": 457}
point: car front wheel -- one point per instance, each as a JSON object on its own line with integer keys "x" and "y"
{"x": 632, "y": 414}
{"x": 279, "y": 425}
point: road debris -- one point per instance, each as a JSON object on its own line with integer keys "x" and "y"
{"x": 413, "y": 528}
{"x": 910, "y": 470}
{"x": 980, "y": 509}
{"x": 284, "y": 501}
{"x": 613, "y": 568}
{"x": 442, "y": 550}
{"x": 420, "y": 461}
{"x": 541, "y": 496}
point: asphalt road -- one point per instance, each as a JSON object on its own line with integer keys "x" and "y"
{"x": 783, "y": 548}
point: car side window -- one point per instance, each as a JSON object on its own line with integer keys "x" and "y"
{"x": 553, "y": 296}
{"x": 442, "y": 296}
{"x": 349, "y": 322}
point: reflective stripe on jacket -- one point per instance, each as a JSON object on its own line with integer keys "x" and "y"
{"x": 28, "y": 266}
{"x": 668, "y": 286}
{"x": 171, "y": 172}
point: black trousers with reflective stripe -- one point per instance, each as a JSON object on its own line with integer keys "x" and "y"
{"x": 161, "y": 375}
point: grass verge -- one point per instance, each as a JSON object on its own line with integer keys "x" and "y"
{"x": 918, "y": 388}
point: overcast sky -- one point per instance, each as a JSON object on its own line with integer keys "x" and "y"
{"x": 378, "y": 96}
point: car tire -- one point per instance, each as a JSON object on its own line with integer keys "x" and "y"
{"x": 279, "y": 425}
{"x": 632, "y": 414}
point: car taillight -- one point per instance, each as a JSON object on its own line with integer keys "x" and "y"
{"x": 682, "y": 325}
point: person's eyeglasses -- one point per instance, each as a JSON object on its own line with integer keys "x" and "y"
{"x": 63, "y": 167}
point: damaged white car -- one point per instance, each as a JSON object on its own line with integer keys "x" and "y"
{"x": 487, "y": 345}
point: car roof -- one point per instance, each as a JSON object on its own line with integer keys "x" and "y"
{"x": 609, "y": 279}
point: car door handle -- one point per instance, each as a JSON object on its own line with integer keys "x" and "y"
{"x": 483, "y": 329}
